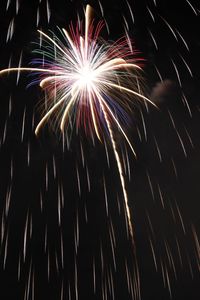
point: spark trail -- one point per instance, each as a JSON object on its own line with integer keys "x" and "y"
{"x": 92, "y": 80}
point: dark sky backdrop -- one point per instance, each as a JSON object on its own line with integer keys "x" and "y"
{"x": 30, "y": 191}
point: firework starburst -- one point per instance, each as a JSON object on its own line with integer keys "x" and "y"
{"x": 89, "y": 83}
{"x": 86, "y": 77}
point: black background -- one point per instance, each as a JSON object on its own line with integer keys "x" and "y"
{"x": 28, "y": 184}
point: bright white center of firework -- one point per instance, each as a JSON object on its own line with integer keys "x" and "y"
{"x": 86, "y": 77}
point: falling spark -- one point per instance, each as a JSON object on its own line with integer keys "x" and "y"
{"x": 170, "y": 28}
{"x": 161, "y": 195}
{"x": 192, "y": 7}
{"x": 19, "y": 268}
{"x": 174, "y": 168}
{"x": 17, "y": 6}
{"x": 10, "y": 31}
{"x": 105, "y": 195}
{"x": 10, "y": 106}
{"x": 78, "y": 181}
{"x": 158, "y": 72}
{"x": 185, "y": 101}
{"x": 5, "y": 251}
{"x": 8, "y": 4}
{"x": 158, "y": 150}
{"x": 180, "y": 217}
{"x": 177, "y": 72}
{"x": 153, "y": 39}
{"x": 131, "y": 12}
{"x": 23, "y": 124}
{"x": 185, "y": 63}
{"x": 25, "y": 237}
{"x": 107, "y": 155}
{"x": 28, "y": 154}
{"x": 189, "y": 137}
{"x": 197, "y": 244}
{"x": 151, "y": 14}
{"x": 153, "y": 254}
{"x": 19, "y": 66}
{"x": 38, "y": 17}
{"x": 183, "y": 40}
{"x": 101, "y": 8}
{"x": 181, "y": 142}
{"x": 48, "y": 12}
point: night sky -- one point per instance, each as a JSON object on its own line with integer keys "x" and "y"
{"x": 63, "y": 229}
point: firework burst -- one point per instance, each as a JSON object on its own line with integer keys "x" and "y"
{"x": 89, "y": 82}
{"x": 93, "y": 86}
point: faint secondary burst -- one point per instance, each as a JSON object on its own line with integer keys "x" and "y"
{"x": 89, "y": 83}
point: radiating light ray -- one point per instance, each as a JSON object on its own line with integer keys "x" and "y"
{"x": 29, "y": 70}
{"x": 65, "y": 114}
{"x": 119, "y": 168}
{"x": 127, "y": 90}
{"x": 40, "y": 124}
